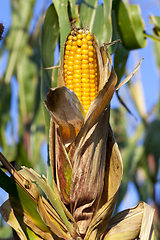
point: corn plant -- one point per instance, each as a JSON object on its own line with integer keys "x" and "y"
{"x": 77, "y": 198}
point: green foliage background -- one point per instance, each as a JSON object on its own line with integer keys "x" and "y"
{"x": 30, "y": 52}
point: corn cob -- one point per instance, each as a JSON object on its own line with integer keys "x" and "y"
{"x": 80, "y": 66}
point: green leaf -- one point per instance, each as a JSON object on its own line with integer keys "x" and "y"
{"x": 151, "y": 143}
{"x": 98, "y": 26}
{"x": 155, "y": 20}
{"x": 157, "y": 52}
{"x": 120, "y": 60}
{"x": 73, "y": 8}
{"x": 98, "y": 19}
{"x": 27, "y": 78}
{"x": 61, "y": 9}
{"x": 48, "y": 40}
{"x": 25, "y": 201}
{"x": 31, "y": 234}
{"x": 9, "y": 216}
{"x": 53, "y": 196}
{"x": 120, "y": 52}
{"x": 18, "y": 37}
{"x": 22, "y": 157}
{"x": 130, "y": 26}
{"x": 5, "y": 232}
{"x": 118, "y": 123}
{"x": 87, "y": 13}
{"x": 5, "y": 99}
{"x": 107, "y": 20}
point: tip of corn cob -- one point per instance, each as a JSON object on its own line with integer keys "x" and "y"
{"x": 80, "y": 66}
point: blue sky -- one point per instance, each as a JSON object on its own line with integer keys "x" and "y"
{"x": 148, "y": 71}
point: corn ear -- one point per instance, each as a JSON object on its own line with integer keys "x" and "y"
{"x": 80, "y": 66}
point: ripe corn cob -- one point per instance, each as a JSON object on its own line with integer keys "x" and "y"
{"x": 80, "y": 66}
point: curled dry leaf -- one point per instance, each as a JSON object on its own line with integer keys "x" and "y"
{"x": 64, "y": 107}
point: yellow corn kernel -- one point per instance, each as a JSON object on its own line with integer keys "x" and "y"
{"x": 85, "y": 75}
{"x": 70, "y": 63}
{"x": 85, "y": 52}
{"x": 90, "y": 59}
{"x": 80, "y": 66}
{"x": 84, "y": 61}
{"x": 70, "y": 37}
{"x": 84, "y": 36}
{"x": 85, "y": 70}
{"x": 86, "y": 102}
{"x": 78, "y": 56}
{"x": 69, "y": 77}
{"x": 85, "y": 66}
{"x": 77, "y": 66}
{"x": 85, "y": 80}
{"x": 79, "y": 51}
{"x": 90, "y": 43}
{"x": 84, "y": 46}
{"x": 79, "y": 36}
{"x": 68, "y": 47}
{"x": 74, "y": 48}
{"x": 89, "y": 37}
{"x": 79, "y": 42}
{"x": 85, "y": 56}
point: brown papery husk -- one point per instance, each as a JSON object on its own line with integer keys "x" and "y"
{"x": 88, "y": 174}
{"x": 132, "y": 223}
{"x": 113, "y": 177}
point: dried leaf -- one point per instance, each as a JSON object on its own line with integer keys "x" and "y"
{"x": 153, "y": 234}
{"x": 138, "y": 96}
{"x": 60, "y": 81}
{"x": 88, "y": 174}
{"x": 60, "y": 163}
{"x": 50, "y": 222}
{"x": 129, "y": 76}
{"x": 53, "y": 197}
{"x": 147, "y": 220}
{"x": 126, "y": 224}
{"x": 130, "y": 224}
{"x": 35, "y": 229}
{"x": 67, "y": 111}
{"x": 114, "y": 170}
{"x": 48, "y": 207}
{"x": 28, "y": 219}
{"x": 8, "y": 215}
{"x": 113, "y": 177}
{"x": 63, "y": 169}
